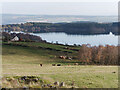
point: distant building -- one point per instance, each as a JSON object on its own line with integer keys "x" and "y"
{"x": 16, "y": 32}
{"x": 15, "y": 39}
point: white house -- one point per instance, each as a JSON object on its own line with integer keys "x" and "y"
{"x": 15, "y": 39}
{"x": 16, "y": 32}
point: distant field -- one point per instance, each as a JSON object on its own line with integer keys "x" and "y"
{"x": 24, "y": 61}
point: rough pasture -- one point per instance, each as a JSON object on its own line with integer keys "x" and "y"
{"x": 25, "y": 61}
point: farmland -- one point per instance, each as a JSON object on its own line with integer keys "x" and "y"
{"x": 24, "y": 59}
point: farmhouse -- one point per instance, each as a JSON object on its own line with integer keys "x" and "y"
{"x": 15, "y": 39}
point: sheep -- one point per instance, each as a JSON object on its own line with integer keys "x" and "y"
{"x": 58, "y": 64}
{"x": 48, "y": 85}
{"x": 72, "y": 84}
{"x": 23, "y": 78}
{"x": 43, "y": 86}
{"x": 53, "y": 64}
{"x": 62, "y": 84}
{"x": 56, "y": 83}
{"x": 41, "y": 65}
{"x": 62, "y": 57}
{"x": 75, "y": 63}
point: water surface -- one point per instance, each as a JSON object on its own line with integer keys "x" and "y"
{"x": 63, "y": 38}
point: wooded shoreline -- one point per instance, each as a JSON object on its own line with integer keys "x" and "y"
{"x": 81, "y": 28}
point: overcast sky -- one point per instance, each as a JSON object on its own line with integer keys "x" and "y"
{"x": 61, "y": 8}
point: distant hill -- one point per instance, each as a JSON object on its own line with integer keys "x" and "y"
{"x": 22, "y": 18}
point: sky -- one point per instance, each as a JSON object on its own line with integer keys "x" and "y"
{"x": 59, "y": 0}
{"x": 57, "y": 7}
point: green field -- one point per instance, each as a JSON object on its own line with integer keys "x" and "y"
{"x": 21, "y": 61}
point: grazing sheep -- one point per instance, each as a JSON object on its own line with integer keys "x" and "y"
{"x": 62, "y": 84}
{"x": 56, "y": 83}
{"x": 70, "y": 58}
{"x": 53, "y": 64}
{"x": 62, "y": 57}
{"x": 49, "y": 85}
{"x": 23, "y": 78}
{"x": 35, "y": 80}
{"x": 113, "y": 72}
{"x": 72, "y": 84}
{"x": 76, "y": 64}
{"x": 41, "y": 65}
{"x": 66, "y": 48}
{"x": 43, "y": 86}
{"x": 58, "y": 64}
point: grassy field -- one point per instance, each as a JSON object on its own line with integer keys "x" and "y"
{"x": 24, "y": 61}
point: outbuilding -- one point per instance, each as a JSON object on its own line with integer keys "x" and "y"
{"x": 15, "y": 39}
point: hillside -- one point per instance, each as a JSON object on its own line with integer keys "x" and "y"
{"x": 21, "y": 18}
{"x": 84, "y": 54}
{"x": 23, "y": 61}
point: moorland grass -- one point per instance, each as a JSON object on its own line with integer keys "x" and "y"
{"x": 24, "y": 61}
